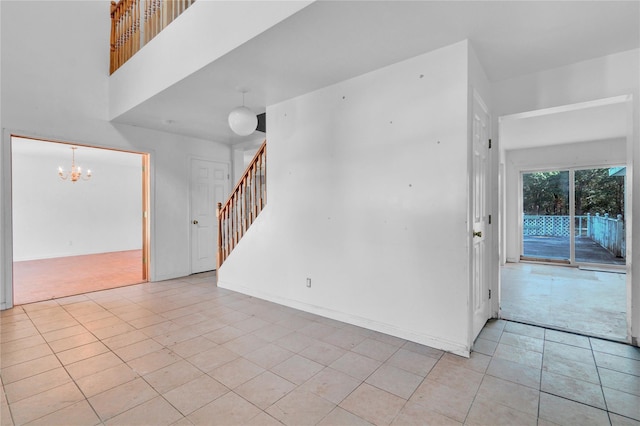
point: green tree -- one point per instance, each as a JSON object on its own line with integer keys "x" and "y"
{"x": 597, "y": 192}
{"x": 547, "y": 193}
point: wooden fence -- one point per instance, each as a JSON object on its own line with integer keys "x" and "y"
{"x": 135, "y": 22}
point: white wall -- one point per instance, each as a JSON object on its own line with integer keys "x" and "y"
{"x": 367, "y": 196}
{"x": 56, "y": 218}
{"x": 605, "y": 77}
{"x": 586, "y": 154}
{"x": 55, "y": 86}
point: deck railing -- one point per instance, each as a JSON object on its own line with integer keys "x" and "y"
{"x": 135, "y": 22}
{"x": 245, "y": 203}
{"x": 549, "y": 226}
{"x": 607, "y": 231}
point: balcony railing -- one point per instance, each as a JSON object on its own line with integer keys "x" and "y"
{"x": 135, "y": 22}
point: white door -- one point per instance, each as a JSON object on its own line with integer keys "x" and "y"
{"x": 480, "y": 258}
{"x": 209, "y": 183}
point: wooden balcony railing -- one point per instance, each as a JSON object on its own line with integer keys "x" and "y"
{"x": 243, "y": 206}
{"x": 135, "y": 22}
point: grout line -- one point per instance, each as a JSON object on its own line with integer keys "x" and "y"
{"x": 604, "y": 399}
{"x": 544, "y": 343}
{"x": 136, "y": 300}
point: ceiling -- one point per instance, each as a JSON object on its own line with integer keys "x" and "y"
{"x": 331, "y": 41}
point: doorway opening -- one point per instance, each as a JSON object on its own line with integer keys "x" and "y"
{"x": 74, "y": 236}
{"x": 572, "y": 217}
{"x": 563, "y": 229}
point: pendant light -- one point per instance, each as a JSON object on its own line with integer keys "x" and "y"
{"x": 242, "y": 120}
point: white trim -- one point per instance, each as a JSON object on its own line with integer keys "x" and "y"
{"x": 566, "y": 108}
{"x": 572, "y": 216}
{"x": 633, "y": 311}
{"x": 381, "y": 327}
{"x": 6, "y": 227}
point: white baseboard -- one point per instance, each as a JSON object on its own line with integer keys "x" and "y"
{"x": 413, "y": 336}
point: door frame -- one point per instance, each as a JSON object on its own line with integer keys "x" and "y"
{"x": 190, "y": 209}
{"x": 6, "y": 227}
{"x": 146, "y": 216}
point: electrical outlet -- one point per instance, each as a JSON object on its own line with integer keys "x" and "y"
{"x": 308, "y": 282}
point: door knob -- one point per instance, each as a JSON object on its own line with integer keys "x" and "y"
{"x": 195, "y": 222}
{"x": 477, "y": 233}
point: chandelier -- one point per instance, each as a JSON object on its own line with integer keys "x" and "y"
{"x": 76, "y": 171}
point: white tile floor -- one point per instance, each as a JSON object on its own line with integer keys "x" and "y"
{"x": 185, "y": 352}
{"x": 588, "y": 302}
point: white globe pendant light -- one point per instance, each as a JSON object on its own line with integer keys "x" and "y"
{"x": 242, "y": 120}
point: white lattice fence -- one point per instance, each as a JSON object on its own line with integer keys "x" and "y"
{"x": 546, "y": 226}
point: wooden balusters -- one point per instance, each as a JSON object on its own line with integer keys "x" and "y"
{"x": 246, "y": 201}
{"x": 125, "y": 31}
{"x": 152, "y": 19}
{"x": 135, "y": 22}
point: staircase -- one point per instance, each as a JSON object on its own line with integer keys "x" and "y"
{"x": 244, "y": 205}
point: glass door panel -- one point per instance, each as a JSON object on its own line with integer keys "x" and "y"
{"x": 546, "y": 222}
{"x": 599, "y": 216}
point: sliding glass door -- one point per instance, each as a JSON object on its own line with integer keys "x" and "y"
{"x": 546, "y": 233}
{"x": 599, "y": 216}
{"x": 574, "y": 216}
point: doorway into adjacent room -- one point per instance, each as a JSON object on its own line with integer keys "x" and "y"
{"x": 571, "y": 217}
{"x": 564, "y": 229}
{"x": 77, "y": 233}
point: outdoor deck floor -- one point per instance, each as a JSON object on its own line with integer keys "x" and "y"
{"x": 587, "y": 250}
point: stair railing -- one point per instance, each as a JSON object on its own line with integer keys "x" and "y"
{"x": 245, "y": 203}
{"x": 135, "y": 22}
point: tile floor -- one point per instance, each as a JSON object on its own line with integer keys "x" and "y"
{"x": 588, "y": 302}
{"x": 44, "y": 279}
{"x": 186, "y": 352}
